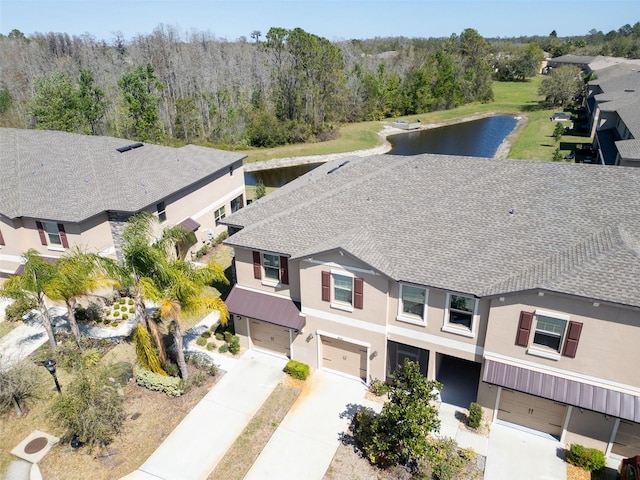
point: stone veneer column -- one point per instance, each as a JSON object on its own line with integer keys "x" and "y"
{"x": 116, "y": 222}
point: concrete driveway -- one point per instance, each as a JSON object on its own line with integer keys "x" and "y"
{"x": 304, "y": 444}
{"x": 514, "y": 453}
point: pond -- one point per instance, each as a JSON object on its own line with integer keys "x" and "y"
{"x": 476, "y": 138}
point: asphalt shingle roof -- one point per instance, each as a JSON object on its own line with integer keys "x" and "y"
{"x": 444, "y": 222}
{"x": 70, "y": 177}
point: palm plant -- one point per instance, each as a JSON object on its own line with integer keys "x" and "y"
{"x": 38, "y": 274}
{"x": 76, "y": 274}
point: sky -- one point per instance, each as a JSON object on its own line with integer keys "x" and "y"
{"x": 332, "y": 19}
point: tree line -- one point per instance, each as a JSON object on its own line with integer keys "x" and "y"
{"x": 284, "y": 87}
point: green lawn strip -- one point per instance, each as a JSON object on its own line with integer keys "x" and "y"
{"x": 6, "y": 326}
{"x": 244, "y": 451}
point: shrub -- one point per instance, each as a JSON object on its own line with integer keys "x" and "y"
{"x": 201, "y": 342}
{"x": 170, "y": 386}
{"x": 130, "y": 302}
{"x": 122, "y": 301}
{"x": 228, "y": 336}
{"x": 378, "y": 387}
{"x": 116, "y": 313}
{"x": 297, "y": 369}
{"x": 132, "y": 310}
{"x": 211, "y": 346}
{"x": 125, "y": 316}
{"x": 234, "y": 346}
{"x": 196, "y": 380}
{"x": 121, "y": 372}
{"x": 445, "y": 461}
{"x": 171, "y": 368}
{"x": 219, "y": 336}
{"x": 205, "y": 334}
{"x": 107, "y": 313}
{"x": 202, "y": 362}
{"x": 475, "y": 415}
{"x": 223, "y": 348}
{"x": 116, "y": 307}
{"x": 591, "y": 459}
{"x": 115, "y": 323}
{"x": 557, "y": 155}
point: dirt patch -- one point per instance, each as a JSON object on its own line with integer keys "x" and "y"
{"x": 244, "y": 451}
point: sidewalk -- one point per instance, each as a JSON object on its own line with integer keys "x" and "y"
{"x": 199, "y": 442}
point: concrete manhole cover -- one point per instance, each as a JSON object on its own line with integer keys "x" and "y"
{"x": 35, "y": 445}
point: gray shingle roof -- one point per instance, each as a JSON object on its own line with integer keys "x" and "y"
{"x": 444, "y": 222}
{"x": 69, "y": 177}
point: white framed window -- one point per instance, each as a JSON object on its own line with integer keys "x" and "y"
{"x": 271, "y": 265}
{"x": 237, "y": 203}
{"x": 342, "y": 288}
{"x": 459, "y": 316}
{"x": 412, "y": 303}
{"x": 549, "y": 333}
{"x": 162, "y": 212}
{"x": 219, "y": 214}
{"x": 53, "y": 233}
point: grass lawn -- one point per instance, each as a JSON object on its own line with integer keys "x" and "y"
{"x": 533, "y": 141}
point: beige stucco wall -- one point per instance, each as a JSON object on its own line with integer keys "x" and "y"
{"x": 609, "y": 333}
{"x": 590, "y": 429}
{"x": 244, "y": 274}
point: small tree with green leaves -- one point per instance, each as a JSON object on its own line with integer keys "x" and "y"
{"x": 18, "y": 384}
{"x": 261, "y": 190}
{"x": 557, "y": 155}
{"x": 558, "y": 131}
{"x": 400, "y": 434}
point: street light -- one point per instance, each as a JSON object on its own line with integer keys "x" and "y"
{"x": 51, "y": 366}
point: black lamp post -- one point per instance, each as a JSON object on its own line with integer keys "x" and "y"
{"x": 51, "y": 366}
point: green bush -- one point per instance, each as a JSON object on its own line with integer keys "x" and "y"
{"x": 591, "y": 459}
{"x": 130, "y": 302}
{"x": 211, "y": 346}
{"x": 378, "y": 387}
{"x": 234, "y": 346}
{"x": 114, "y": 323}
{"x": 171, "y": 368}
{"x": 475, "y": 415}
{"x": 171, "y": 386}
{"x": 17, "y": 309}
{"x": 205, "y": 334}
{"x": 202, "y": 362}
{"x": 219, "y": 336}
{"x": 122, "y": 301}
{"x": 445, "y": 461}
{"x": 132, "y": 310}
{"x": 201, "y": 342}
{"x": 121, "y": 372}
{"x": 228, "y": 336}
{"x": 297, "y": 369}
{"x": 116, "y": 313}
{"x": 223, "y": 348}
{"x": 125, "y": 316}
{"x": 116, "y": 307}
{"x": 107, "y": 313}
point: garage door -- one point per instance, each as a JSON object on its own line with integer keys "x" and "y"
{"x": 344, "y": 357}
{"x": 532, "y": 412}
{"x": 270, "y": 337}
{"x": 627, "y": 442}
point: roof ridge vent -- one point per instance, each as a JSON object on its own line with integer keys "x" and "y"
{"x": 130, "y": 147}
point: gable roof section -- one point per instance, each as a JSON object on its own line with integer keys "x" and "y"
{"x": 443, "y": 221}
{"x": 70, "y": 177}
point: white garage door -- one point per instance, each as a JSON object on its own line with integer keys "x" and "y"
{"x": 627, "y": 442}
{"x": 344, "y": 357}
{"x": 532, "y": 412}
{"x": 270, "y": 337}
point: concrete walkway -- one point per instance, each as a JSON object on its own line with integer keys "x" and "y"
{"x": 200, "y": 441}
{"x": 304, "y": 444}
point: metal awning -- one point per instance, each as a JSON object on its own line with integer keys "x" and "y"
{"x": 262, "y": 306}
{"x": 189, "y": 224}
{"x": 571, "y": 392}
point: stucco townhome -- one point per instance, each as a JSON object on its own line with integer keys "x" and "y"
{"x": 59, "y": 190}
{"x": 516, "y": 283}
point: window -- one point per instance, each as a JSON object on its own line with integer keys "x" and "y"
{"x": 219, "y": 214}
{"x": 412, "y": 302}
{"x": 1, "y": 240}
{"x": 552, "y": 332}
{"x": 237, "y": 203}
{"x": 343, "y": 288}
{"x": 162, "y": 213}
{"x": 461, "y": 310}
{"x": 549, "y": 332}
{"x": 343, "y": 291}
{"x": 52, "y": 234}
{"x": 271, "y": 265}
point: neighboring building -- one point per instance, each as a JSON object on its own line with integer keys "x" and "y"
{"x": 515, "y": 283}
{"x": 61, "y": 190}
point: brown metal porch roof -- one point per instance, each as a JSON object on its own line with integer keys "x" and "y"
{"x": 189, "y": 224}
{"x": 269, "y": 308}
{"x": 563, "y": 390}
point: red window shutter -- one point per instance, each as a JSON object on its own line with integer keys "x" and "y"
{"x": 43, "y": 235}
{"x": 63, "y": 236}
{"x": 524, "y": 329}
{"x": 284, "y": 270}
{"x": 2, "y": 239}
{"x": 573, "y": 337}
{"x": 257, "y": 267}
{"x": 358, "y": 290}
{"x": 326, "y": 286}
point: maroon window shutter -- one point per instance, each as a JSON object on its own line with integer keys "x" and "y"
{"x": 573, "y": 337}
{"x": 284, "y": 270}
{"x": 524, "y": 329}
{"x": 326, "y": 286}
{"x": 358, "y": 290}
{"x": 43, "y": 235}
{"x": 63, "y": 236}
{"x": 257, "y": 267}
{"x": 2, "y": 239}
